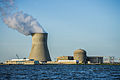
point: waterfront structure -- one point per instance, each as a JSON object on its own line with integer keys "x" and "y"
{"x": 108, "y": 59}
{"x": 39, "y": 49}
{"x": 95, "y": 59}
{"x": 68, "y": 61}
{"x": 21, "y": 61}
{"x": 65, "y": 58}
{"x": 80, "y": 55}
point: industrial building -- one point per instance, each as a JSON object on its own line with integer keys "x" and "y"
{"x": 39, "y": 49}
{"x": 94, "y": 59}
{"x": 80, "y": 56}
{"x": 21, "y": 61}
{"x": 40, "y": 54}
{"x": 108, "y": 59}
{"x": 68, "y": 61}
{"x": 65, "y": 58}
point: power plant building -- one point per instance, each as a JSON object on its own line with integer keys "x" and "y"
{"x": 80, "y": 55}
{"x": 22, "y": 61}
{"x": 95, "y": 59}
{"x": 108, "y": 59}
{"x": 65, "y": 58}
{"x": 39, "y": 49}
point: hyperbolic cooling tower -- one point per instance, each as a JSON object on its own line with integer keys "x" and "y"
{"x": 39, "y": 49}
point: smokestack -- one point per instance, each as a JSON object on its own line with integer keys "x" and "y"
{"x": 39, "y": 49}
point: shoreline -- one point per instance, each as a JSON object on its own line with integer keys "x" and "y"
{"x": 64, "y": 64}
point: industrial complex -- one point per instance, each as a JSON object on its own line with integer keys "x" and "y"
{"x": 80, "y": 57}
{"x": 40, "y": 55}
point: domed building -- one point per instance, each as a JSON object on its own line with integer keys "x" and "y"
{"x": 80, "y": 55}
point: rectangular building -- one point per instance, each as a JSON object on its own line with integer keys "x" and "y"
{"x": 65, "y": 58}
{"x": 95, "y": 59}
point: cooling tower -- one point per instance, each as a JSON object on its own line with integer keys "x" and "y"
{"x": 39, "y": 49}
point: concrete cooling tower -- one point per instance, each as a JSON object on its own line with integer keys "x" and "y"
{"x": 39, "y": 49}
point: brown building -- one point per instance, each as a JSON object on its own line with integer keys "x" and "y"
{"x": 65, "y": 58}
{"x": 80, "y": 55}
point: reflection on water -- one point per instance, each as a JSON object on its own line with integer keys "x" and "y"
{"x": 58, "y": 72}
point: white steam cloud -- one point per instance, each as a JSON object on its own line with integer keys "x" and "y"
{"x": 23, "y": 23}
{"x": 19, "y": 21}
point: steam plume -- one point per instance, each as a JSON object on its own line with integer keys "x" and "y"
{"x": 7, "y": 7}
{"x": 19, "y": 21}
{"x": 24, "y": 23}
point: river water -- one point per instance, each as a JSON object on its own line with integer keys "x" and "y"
{"x": 59, "y": 72}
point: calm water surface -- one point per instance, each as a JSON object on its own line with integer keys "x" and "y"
{"x": 59, "y": 72}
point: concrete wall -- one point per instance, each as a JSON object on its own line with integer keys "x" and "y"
{"x": 65, "y": 58}
{"x": 39, "y": 49}
{"x": 95, "y": 59}
{"x": 19, "y": 62}
{"x": 80, "y": 55}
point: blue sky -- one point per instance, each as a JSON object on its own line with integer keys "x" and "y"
{"x": 93, "y": 25}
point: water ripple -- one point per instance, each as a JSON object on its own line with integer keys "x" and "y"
{"x": 60, "y": 72}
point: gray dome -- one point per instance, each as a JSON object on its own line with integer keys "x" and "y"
{"x": 79, "y": 51}
{"x": 80, "y": 55}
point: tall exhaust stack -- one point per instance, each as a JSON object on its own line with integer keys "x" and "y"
{"x": 39, "y": 49}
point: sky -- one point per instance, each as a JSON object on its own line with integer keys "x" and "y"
{"x": 92, "y": 25}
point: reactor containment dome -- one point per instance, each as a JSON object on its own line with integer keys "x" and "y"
{"x": 80, "y": 55}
